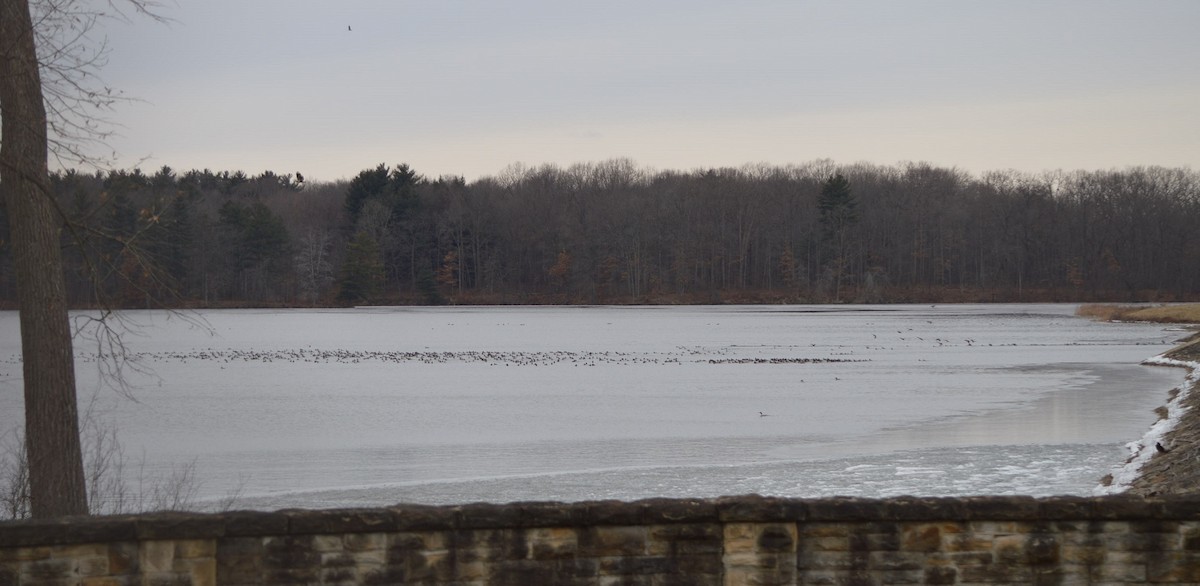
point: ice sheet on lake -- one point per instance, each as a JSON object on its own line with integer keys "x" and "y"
{"x": 379, "y": 405}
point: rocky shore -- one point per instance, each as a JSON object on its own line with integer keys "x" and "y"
{"x": 1176, "y": 471}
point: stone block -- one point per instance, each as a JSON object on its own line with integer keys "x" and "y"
{"x": 776, "y": 538}
{"x": 1155, "y": 526}
{"x": 1089, "y": 555}
{"x": 1134, "y": 573}
{"x": 80, "y": 550}
{"x": 409, "y": 541}
{"x": 327, "y": 543}
{"x": 1144, "y": 542}
{"x": 164, "y": 579}
{"x": 91, "y": 566}
{"x": 47, "y": 570}
{"x": 881, "y": 541}
{"x": 1043, "y": 549}
{"x": 997, "y": 528}
{"x": 686, "y": 539}
{"x": 826, "y": 529}
{"x": 107, "y": 581}
{"x": 500, "y": 544}
{"x": 195, "y": 548}
{"x": 817, "y": 577}
{"x": 339, "y": 576}
{"x": 832, "y": 543}
{"x": 289, "y": 552}
{"x": 1009, "y": 549}
{"x": 740, "y": 559}
{"x": 966, "y": 542}
{"x": 292, "y": 576}
{"x": 756, "y": 577}
{"x": 552, "y": 543}
{"x": 999, "y": 573}
{"x": 474, "y": 571}
{"x": 364, "y": 541}
{"x": 156, "y": 556}
{"x": 968, "y": 558}
{"x": 940, "y": 575}
{"x": 824, "y": 560}
{"x": 201, "y": 571}
{"x": 1173, "y": 567}
{"x": 698, "y": 565}
{"x": 924, "y": 537}
{"x": 24, "y": 554}
{"x": 240, "y": 560}
{"x": 337, "y": 560}
{"x": 886, "y": 577}
{"x": 369, "y": 558}
{"x": 631, "y": 566}
{"x": 895, "y": 561}
{"x": 613, "y": 541}
{"x": 1191, "y": 538}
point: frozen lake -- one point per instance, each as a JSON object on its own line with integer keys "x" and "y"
{"x": 373, "y": 406}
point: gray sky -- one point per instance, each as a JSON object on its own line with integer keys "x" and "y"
{"x": 468, "y": 87}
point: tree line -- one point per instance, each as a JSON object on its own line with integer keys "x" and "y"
{"x": 613, "y": 232}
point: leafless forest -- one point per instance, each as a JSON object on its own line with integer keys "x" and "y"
{"x": 613, "y": 232}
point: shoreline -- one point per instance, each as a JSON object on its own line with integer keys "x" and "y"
{"x": 1149, "y": 471}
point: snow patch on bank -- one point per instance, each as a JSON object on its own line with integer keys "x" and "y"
{"x": 1143, "y": 449}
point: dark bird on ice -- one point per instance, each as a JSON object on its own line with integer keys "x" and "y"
{"x": 348, "y": 28}
{"x": 1158, "y": 446}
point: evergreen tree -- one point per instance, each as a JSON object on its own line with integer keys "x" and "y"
{"x": 839, "y": 211}
{"x": 362, "y": 271}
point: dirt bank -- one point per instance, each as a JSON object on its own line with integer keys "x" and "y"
{"x": 1176, "y": 471}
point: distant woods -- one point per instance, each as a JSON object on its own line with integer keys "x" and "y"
{"x": 612, "y": 232}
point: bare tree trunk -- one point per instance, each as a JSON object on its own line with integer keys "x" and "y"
{"x": 51, "y": 414}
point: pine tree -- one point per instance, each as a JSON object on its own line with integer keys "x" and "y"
{"x": 362, "y": 272}
{"x": 839, "y": 212}
{"x": 839, "y": 209}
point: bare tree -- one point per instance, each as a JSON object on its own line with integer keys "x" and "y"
{"x": 51, "y": 417}
{"x": 58, "y": 43}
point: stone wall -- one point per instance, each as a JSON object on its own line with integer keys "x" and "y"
{"x": 736, "y": 540}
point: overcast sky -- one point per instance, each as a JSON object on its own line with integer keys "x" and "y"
{"x": 470, "y": 87}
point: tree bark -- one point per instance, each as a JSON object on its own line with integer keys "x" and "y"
{"x": 51, "y": 414}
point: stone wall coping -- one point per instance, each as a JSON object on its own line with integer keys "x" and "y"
{"x": 659, "y": 511}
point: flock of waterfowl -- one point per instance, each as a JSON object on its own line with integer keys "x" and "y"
{"x": 494, "y": 358}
